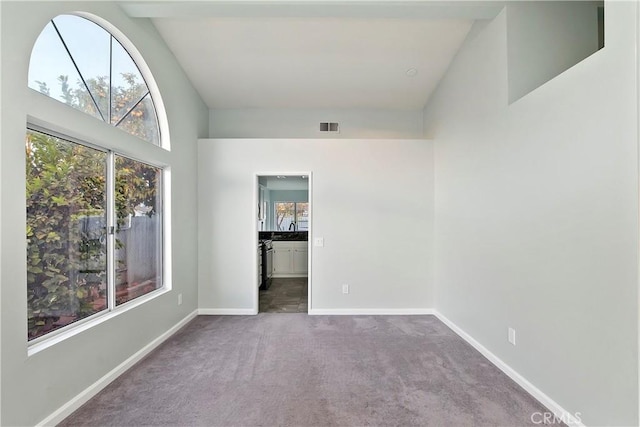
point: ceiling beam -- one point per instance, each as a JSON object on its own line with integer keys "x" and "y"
{"x": 363, "y": 9}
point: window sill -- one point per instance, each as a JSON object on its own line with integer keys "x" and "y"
{"x": 73, "y": 330}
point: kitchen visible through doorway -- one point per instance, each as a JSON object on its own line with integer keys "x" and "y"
{"x": 283, "y": 206}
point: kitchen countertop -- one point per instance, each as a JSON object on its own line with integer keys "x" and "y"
{"x": 284, "y": 235}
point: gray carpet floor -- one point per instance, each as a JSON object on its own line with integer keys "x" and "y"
{"x": 278, "y": 369}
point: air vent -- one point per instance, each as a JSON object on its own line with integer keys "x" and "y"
{"x": 329, "y": 127}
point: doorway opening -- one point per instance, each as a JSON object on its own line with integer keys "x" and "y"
{"x": 283, "y": 232}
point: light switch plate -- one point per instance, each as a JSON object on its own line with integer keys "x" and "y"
{"x": 318, "y": 242}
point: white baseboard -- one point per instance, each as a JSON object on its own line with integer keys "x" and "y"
{"x": 289, "y": 275}
{"x": 227, "y": 311}
{"x": 562, "y": 414}
{"x": 75, "y": 403}
{"x": 371, "y": 311}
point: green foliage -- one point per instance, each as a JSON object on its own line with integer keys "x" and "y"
{"x": 117, "y": 102}
{"x": 136, "y": 185}
{"x": 65, "y": 184}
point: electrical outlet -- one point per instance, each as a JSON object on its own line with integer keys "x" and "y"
{"x": 179, "y": 299}
{"x": 318, "y": 242}
{"x": 512, "y": 336}
{"x": 345, "y": 289}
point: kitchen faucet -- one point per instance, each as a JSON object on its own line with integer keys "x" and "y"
{"x": 293, "y": 224}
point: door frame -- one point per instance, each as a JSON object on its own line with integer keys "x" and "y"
{"x": 256, "y": 235}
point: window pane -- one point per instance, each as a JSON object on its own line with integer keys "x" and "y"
{"x": 66, "y": 241}
{"x": 138, "y": 258}
{"x": 302, "y": 216}
{"x": 142, "y": 121}
{"x": 89, "y": 47}
{"x": 127, "y": 83}
{"x": 285, "y": 214}
{"x": 51, "y": 72}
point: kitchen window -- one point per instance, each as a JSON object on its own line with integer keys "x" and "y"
{"x": 291, "y": 216}
{"x": 95, "y": 215}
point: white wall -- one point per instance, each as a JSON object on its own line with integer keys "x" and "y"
{"x": 301, "y": 123}
{"x": 545, "y": 38}
{"x": 35, "y": 386}
{"x": 289, "y": 195}
{"x": 2, "y": 102}
{"x": 371, "y": 201}
{"x": 537, "y": 217}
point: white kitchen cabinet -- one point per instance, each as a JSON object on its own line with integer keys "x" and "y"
{"x": 300, "y": 258}
{"x": 281, "y": 259}
{"x": 290, "y": 259}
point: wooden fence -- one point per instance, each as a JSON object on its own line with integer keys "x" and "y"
{"x": 139, "y": 250}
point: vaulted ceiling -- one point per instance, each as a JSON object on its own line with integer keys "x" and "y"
{"x": 331, "y": 54}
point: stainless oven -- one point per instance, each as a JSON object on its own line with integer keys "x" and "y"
{"x": 259, "y": 259}
{"x": 267, "y": 263}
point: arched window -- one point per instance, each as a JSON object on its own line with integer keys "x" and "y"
{"x": 76, "y": 61}
{"x": 95, "y": 215}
